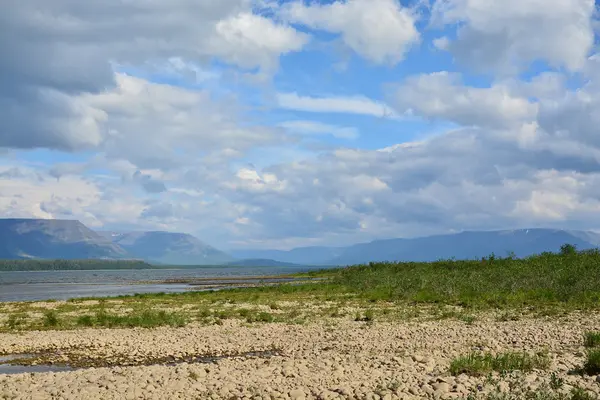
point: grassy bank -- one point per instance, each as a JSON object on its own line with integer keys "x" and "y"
{"x": 508, "y": 288}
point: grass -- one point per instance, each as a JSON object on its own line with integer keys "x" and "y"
{"x": 576, "y": 393}
{"x": 592, "y": 339}
{"x": 545, "y": 279}
{"x": 546, "y": 285}
{"x": 50, "y": 319}
{"x": 592, "y": 363}
{"x": 482, "y": 364}
{"x": 144, "y": 319}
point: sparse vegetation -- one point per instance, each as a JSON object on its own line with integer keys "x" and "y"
{"x": 144, "y": 319}
{"x": 481, "y": 364}
{"x": 546, "y": 285}
{"x": 592, "y": 339}
{"x": 592, "y": 364}
{"x": 544, "y": 394}
{"x": 50, "y": 319}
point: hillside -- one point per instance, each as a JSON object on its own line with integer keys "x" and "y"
{"x": 168, "y": 248}
{"x": 464, "y": 245}
{"x": 52, "y": 239}
{"x": 313, "y": 255}
{"x": 261, "y": 262}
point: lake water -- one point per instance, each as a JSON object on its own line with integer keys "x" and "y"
{"x": 63, "y": 285}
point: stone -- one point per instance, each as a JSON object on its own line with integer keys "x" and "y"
{"x": 442, "y": 387}
{"x": 297, "y": 394}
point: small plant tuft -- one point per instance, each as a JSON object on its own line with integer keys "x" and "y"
{"x": 481, "y": 364}
{"x": 50, "y": 318}
{"x": 592, "y": 339}
{"x": 592, "y": 364}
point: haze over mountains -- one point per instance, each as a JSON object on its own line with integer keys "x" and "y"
{"x": 168, "y": 248}
{"x": 70, "y": 239}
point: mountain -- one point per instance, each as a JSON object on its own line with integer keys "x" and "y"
{"x": 464, "y": 245}
{"x": 260, "y": 262}
{"x": 313, "y": 255}
{"x": 53, "y": 239}
{"x": 168, "y": 248}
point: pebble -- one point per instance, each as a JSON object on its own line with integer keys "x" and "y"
{"x": 359, "y": 363}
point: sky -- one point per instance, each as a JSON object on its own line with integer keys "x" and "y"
{"x": 279, "y": 124}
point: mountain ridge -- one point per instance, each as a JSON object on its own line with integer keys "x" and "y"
{"x": 28, "y": 238}
{"x": 466, "y": 245}
{"x": 163, "y": 247}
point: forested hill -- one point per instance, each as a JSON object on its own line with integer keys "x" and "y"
{"x": 71, "y": 265}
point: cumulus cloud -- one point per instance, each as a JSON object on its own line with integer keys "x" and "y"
{"x": 53, "y": 53}
{"x": 379, "y": 30}
{"x": 442, "y": 95}
{"x": 162, "y": 126}
{"x": 507, "y": 36}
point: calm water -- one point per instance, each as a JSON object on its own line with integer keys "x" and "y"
{"x": 62, "y": 285}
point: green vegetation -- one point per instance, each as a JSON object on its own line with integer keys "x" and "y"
{"x": 50, "y": 319}
{"x": 592, "y": 364}
{"x": 144, "y": 319}
{"x": 566, "y": 278}
{"x": 546, "y": 285}
{"x": 482, "y": 364}
{"x": 71, "y": 265}
{"x": 592, "y": 339}
{"x": 539, "y": 394}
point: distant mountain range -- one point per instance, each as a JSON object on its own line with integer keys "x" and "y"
{"x": 464, "y": 245}
{"x": 46, "y": 239}
{"x": 168, "y": 248}
{"x": 70, "y": 239}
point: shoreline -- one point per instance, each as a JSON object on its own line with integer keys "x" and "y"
{"x": 334, "y": 358}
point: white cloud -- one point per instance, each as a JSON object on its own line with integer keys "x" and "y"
{"x": 379, "y": 30}
{"x": 53, "y": 53}
{"x": 175, "y": 125}
{"x": 319, "y": 128}
{"x": 506, "y": 36}
{"x": 334, "y": 104}
{"x": 442, "y": 95}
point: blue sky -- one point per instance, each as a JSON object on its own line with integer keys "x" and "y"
{"x": 278, "y": 124}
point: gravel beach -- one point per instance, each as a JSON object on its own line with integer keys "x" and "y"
{"x": 331, "y": 359}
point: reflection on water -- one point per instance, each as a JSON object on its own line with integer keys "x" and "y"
{"x": 62, "y": 285}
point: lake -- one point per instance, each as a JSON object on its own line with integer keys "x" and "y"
{"x": 63, "y": 285}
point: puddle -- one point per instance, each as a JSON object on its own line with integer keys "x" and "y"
{"x": 10, "y": 364}
{"x": 6, "y": 367}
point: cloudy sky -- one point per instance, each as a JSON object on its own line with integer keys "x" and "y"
{"x": 274, "y": 124}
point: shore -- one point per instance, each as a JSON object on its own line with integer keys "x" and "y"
{"x": 492, "y": 329}
{"x": 335, "y": 358}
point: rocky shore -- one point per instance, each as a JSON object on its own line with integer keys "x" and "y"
{"x": 331, "y": 359}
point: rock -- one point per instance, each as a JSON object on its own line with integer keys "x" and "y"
{"x": 297, "y": 394}
{"x": 442, "y": 387}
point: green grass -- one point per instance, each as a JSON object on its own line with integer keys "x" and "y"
{"x": 543, "y": 394}
{"x": 546, "y": 285}
{"x": 592, "y": 339}
{"x": 482, "y": 364}
{"x": 144, "y": 319}
{"x": 50, "y": 319}
{"x": 546, "y": 279}
{"x": 592, "y": 363}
